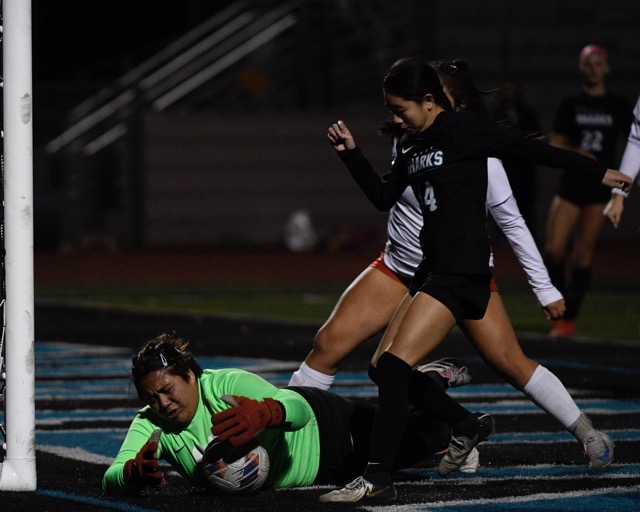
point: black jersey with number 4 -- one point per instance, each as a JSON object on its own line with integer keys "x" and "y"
{"x": 446, "y": 166}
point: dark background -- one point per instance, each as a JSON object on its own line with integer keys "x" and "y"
{"x": 230, "y": 163}
{"x": 73, "y": 39}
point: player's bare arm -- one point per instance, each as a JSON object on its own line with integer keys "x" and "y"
{"x": 340, "y": 137}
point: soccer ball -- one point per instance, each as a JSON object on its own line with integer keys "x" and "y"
{"x": 229, "y": 470}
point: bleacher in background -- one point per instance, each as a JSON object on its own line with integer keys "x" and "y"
{"x": 217, "y": 138}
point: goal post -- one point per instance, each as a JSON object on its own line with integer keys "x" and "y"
{"x": 18, "y": 469}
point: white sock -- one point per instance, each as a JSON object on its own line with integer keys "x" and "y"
{"x": 307, "y": 376}
{"x": 582, "y": 428}
{"x": 546, "y": 391}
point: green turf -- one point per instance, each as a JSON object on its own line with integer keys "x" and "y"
{"x": 607, "y": 312}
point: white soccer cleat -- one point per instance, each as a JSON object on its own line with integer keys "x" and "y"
{"x": 461, "y": 446}
{"x": 454, "y": 371}
{"x": 471, "y": 463}
{"x": 598, "y": 446}
{"x": 361, "y": 490}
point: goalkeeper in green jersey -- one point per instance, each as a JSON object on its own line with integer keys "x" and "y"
{"x": 312, "y": 436}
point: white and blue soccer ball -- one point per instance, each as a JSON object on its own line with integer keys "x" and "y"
{"x": 241, "y": 470}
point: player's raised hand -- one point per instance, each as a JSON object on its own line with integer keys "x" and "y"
{"x": 617, "y": 179}
{"x": 144, "y": 470}
{"x": 340, "y": 137}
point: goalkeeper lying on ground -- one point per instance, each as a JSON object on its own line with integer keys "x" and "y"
{"x": 311, "y": 436}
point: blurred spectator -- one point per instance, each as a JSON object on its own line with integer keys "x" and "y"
{"x": 299, "y": 233}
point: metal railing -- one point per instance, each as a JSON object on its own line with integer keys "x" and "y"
{"x": 165, "y": 78}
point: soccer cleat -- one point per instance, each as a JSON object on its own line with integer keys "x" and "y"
{"x": 361, "y": 490}
{"x": 563, "y": 329}
{"x": 471, "y": 463}
{"x": 460, "y": 446}
{"x": 453, "y": 371}
{"x": 598, "y": 446}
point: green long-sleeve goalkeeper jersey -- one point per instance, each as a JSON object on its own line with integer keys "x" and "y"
{"x": 294, "y": 448}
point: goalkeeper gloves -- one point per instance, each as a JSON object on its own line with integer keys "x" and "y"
{"x": 144, "y": 469}
{"x": 246, "y": 419}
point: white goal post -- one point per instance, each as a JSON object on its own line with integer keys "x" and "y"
{"x": 18, "y": 469}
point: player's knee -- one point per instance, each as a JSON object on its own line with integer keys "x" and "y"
{"x": 329, "y": 349}
{"x": 324, "y": 342}
{"x": 505, "y": 364}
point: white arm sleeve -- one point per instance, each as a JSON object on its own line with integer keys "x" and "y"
{"x": 510, "y": 221}
{"x": 630, "y": 163}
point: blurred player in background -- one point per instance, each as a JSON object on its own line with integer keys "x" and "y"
{"x": 591, "y": 123}
{"x": 511, "y": 109}
{"x": 630, "y": 164}
{"x": 312, "y": 436}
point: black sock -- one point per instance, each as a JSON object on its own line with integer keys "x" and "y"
{"x": 373, "y": 373}
{"x": 556, "y": 273}
{"x": 467, "y": 427}
{"x": 392, "y": 413}
{"x": 376, "y": 475}
{"x": 580, "y": 281}
{"x": 429, "y": 397}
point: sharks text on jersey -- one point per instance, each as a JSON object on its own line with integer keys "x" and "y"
{"x": 425, "y": 160}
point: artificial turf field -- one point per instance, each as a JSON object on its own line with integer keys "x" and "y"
{"x": 84, "y": 404}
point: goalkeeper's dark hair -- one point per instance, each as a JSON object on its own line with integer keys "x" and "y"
{"x": 165, "y": 351}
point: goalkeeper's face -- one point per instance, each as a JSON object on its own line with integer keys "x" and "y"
{"x": 171, "y": 396}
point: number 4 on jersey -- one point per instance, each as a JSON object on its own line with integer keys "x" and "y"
{"x": 430, "y": 198}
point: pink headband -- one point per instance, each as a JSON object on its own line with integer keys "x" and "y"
{"x": 593, "y": 48}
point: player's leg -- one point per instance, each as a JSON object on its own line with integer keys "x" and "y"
{"x": 392, "y": 328}
{"x": 561, "y": 221}
{"x": 496, "y": 341}
{"x": 363, "y": 310}
{"x": 589, "y": 228}
{"x": 418, "y": 326}
{"x": 425, "y": 323}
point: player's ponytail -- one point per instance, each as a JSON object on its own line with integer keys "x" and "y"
{"x": 457, "y": 79}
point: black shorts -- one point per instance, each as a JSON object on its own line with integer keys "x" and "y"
{"x": 465, "y": 295}
{"x": 582, "y": 191}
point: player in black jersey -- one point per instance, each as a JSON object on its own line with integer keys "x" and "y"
{"x": 593, "y": 123}
{"x": 444, "y": 159}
